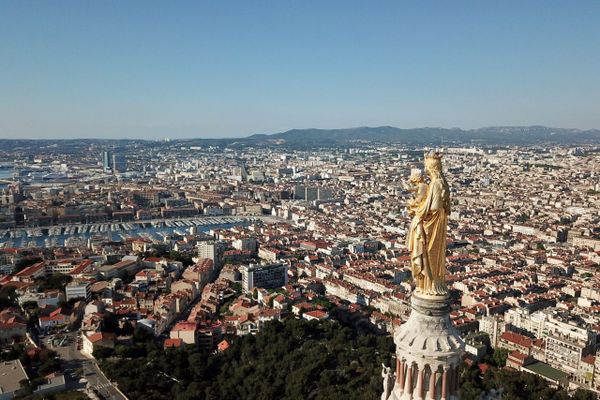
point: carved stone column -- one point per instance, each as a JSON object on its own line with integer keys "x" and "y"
{"x": 432, "y": 384}
{"x": 419, "y": 389}
{"x": 408, "y": 386}
{"x": 400, "y": 375}
{"x": 451, "y": 382}
{"x": 456, "y": 381}
{"x": 445, "y": 385}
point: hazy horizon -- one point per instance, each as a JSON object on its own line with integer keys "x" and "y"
{"x": 151, "y": 70}
{"x": 242, "y": 136}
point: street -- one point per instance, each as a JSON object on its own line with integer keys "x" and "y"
{"x": 98, "y": 382}
{"x": 92, "y": 377}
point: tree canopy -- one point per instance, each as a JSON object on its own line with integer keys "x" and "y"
{"x": 291, "y": 360}
{"x": 514, "y": 385}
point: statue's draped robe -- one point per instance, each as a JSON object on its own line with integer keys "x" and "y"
{"x": 427, "y": 238}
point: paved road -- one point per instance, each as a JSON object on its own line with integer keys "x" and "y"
{"x": 96, "y": 380}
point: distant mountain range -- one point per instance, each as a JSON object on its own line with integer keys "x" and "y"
{"x": 418, "y": 136}
{"x": 306, "y": 138}
{"x": 502, "y": 135}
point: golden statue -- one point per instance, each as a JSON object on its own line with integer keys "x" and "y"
{"x": 426, "y": 238}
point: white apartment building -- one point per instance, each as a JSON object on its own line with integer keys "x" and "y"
{"x": 78, "y": 290}
{"x": 264, "y": 276}
{"x": 524, "y": 320}
{"x": 207, "y": 249}
{"x": 567, "y": 341}
{"x": 493, "y": 327}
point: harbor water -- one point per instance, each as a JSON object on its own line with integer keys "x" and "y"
{"x": 78, "y": 235}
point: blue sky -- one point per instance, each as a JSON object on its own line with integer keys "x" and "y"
{"x": 154, "y": 69}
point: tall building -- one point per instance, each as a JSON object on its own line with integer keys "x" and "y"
{"x": 264, "y": 276}
{"x": 311, "y": 193}
{"x": 119, "y": 163}
{"x": 299, "y": 192}
{"x": 207, "y": 249}
{"x": 325, "y": 193}
{"x": 107, "y": 161}
{"x": 494, "y": 327}
{"x": 240, "y": 173}
{"x": 78, "y": 290}
{"x": 248, "y": 243}
{"x": 568, "y": 340}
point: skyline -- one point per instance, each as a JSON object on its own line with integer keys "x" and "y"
{"x": 204, "y": 70}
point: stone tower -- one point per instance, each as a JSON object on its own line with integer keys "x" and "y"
{"x": 428, "y": 353}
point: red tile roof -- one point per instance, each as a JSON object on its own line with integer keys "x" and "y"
{"x": 173, "y": 343}
{"x": 517, "y": 339}
{"x": 222, "y": 346}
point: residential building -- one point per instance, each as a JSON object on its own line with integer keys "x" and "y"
{"x": 78, "y": 290}
{"x": 264, "y": 276}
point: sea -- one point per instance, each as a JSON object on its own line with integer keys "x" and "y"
{"x": 5, "y": 174}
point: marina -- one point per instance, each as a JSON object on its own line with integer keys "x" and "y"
{"x": 154, "y": 230}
